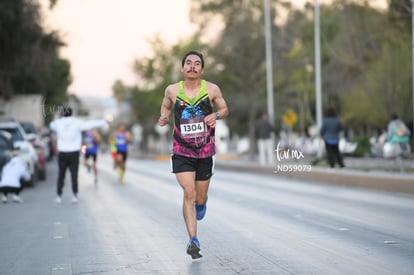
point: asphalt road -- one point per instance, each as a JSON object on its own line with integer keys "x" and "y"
{"x": 255, "y": 224}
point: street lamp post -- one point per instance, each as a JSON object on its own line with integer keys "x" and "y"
{"x": 269, "y": 69}
{"x": 318, "y": 89}
{"x": 412, "y": 54}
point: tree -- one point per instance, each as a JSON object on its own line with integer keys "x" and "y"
{"x": 386, "y": 85}
{"x": 30, "y": 62}
{"x": 365, "y": 62}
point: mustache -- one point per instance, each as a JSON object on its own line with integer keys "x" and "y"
{"x": 191, "y": 71}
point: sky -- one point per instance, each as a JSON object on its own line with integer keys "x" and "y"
{"x": 104, "y": 37}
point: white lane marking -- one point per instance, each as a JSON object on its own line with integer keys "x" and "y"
{"x": 60, "y": 230}
{"x": 61, "y": 269}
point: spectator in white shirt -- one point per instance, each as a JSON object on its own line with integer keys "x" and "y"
{"x": 13, "y": 173}
{"x": 69, "y": 142}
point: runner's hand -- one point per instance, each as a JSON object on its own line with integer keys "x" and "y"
{"x": 211, "y": 120}
{"x": 163, "y": 120}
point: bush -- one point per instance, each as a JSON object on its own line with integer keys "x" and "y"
{"x": 363, "y": 147}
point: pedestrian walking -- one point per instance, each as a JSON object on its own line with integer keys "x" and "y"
{"x": 330, "y": 130}
{"x": 69, "y": 142}
{"x": 193, "y": 102}
{"x": 122, "y": 137}
{"x": 91, "y": 140}
{"x": 398, "y": 135}
{"x": 263, "y": 132}
{"x": 12, "y": 175}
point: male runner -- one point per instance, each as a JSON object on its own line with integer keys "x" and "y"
{"x": 91, "y": 140}
{"x": 122, "y": 138}
{"x": 192, "y": 101}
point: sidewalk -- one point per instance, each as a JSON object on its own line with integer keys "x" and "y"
{"x": 380, "y": 174}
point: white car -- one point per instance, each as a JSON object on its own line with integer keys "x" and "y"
{"x": 26, "y": 151}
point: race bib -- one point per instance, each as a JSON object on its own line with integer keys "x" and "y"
{"x": 194, "y": 127}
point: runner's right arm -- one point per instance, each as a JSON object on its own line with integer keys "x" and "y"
{"x": 166, "y": 105}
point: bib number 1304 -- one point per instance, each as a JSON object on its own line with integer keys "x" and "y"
{"x": 193, "y": 129}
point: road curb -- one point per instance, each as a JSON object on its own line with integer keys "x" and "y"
{"x": 391, "y": 182}
{"x": 377, "y": 180}
{"x": 358, "y": 179}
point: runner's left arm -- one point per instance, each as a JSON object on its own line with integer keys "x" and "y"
{"x": 219, "y": 104}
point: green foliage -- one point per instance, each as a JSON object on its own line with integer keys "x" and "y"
{"x": 59, "y": 79}
{"x": 30, "y": 63}
{"x": 363, "y": 148}
{"x": 372, "y": 99}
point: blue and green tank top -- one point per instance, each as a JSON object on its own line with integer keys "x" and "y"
{"x": 121, "y": 142}
{"x": 91, "y": 144}
{"x": 192, "y": 137}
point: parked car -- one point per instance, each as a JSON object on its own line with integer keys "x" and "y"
{"x": 38, "y": 145}
{"x": 26, "y": 150}
{"x": 6, "y": 147}
{"x": 48, "y": 139}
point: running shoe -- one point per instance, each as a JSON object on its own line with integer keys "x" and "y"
{"x": 193, "y": 248}
{"x": 4, "y": 199}
{"x": 74, "y": 199}
{"x": 17, "y": 199}
{"x": 58, "y": 200}
{"x": 201, "y": 210}
{"x": 121, "y": 174}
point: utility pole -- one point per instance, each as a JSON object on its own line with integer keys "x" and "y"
{"x": 269, "y": 68}
{"x": 318, "y": 89}
{"x": 269, "y": 62}
{"x": 412, "y": 54}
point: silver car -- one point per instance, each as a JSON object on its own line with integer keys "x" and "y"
{"x": 26, "y": 151}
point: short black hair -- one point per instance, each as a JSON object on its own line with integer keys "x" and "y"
{"x": 193, "y": 53}
{"x": 66, "y": 111}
